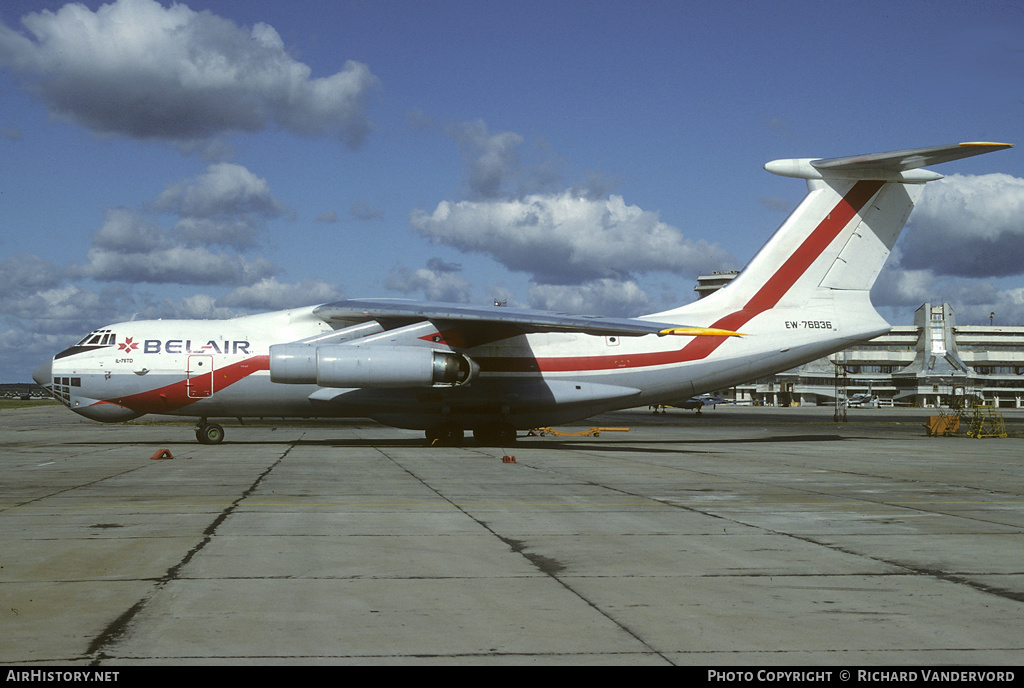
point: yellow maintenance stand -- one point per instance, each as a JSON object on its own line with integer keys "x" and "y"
{"x": 592, "y": 432}
{"x": 986, "y": 421}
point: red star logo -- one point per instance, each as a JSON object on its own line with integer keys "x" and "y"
{"x": 128, "y": 345}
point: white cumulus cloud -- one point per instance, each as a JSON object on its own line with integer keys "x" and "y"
{"x": 137, "y": 69}
{"x": 438, "y": 281}
{"x": 607, "y": 296}
{"x": 269, "y": 294}
{"x": 224, "y": 189}
{"x": 566, "y": 239}
{"x": 968, "y": 226}
{"x": 963, "y": 244}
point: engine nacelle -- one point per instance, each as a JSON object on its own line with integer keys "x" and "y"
{"x": 339, "y": 365}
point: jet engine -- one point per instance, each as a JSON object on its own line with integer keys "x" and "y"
{"x": 340, "y": 365}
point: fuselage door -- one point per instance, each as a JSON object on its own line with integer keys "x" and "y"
{"x": 199, "y": 377}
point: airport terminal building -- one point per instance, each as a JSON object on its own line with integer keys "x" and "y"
{"x": 927, "y": 364}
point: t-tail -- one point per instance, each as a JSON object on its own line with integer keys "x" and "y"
{"x": 817, "y": 270}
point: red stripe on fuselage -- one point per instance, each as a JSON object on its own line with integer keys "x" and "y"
{"x": 703, "y": 346}
{"x": 793, "y": 269}
{"x": 812, "y": 247}
{"x": 175, "y": 395}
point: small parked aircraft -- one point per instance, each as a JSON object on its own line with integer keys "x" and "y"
{"x": 446, "y": 369}
{"x": 696, "y": 403}
{"x": 863, "y": 399}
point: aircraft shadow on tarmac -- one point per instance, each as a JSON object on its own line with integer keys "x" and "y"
{"x": 669, "y": 446}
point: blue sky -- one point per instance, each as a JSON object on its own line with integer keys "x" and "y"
{"x": 211, "y": 158}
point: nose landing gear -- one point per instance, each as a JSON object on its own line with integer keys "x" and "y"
{"x": 209, "y": 433}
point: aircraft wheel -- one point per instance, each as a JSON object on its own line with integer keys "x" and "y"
{"x": 210, "y": 433}
{"x": 446, "y": 435}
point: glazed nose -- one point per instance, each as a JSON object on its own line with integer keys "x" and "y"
{"x": 43, "y": 375}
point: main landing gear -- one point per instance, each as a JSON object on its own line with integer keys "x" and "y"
{"x": 209, "y": 433}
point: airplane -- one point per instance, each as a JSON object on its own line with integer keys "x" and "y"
{"x": 695, "y": 403}
{"x": 863, "y": 399}
{"x": 700, "y": 401}
{"x": 448, "y": 369}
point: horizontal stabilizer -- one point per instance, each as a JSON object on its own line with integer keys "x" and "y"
{"x": 899, "y": 166}
{"x": 909, "y": 159}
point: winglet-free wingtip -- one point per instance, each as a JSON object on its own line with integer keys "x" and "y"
{"x": 701, "y": 332}
{"x": 988, "y": 144}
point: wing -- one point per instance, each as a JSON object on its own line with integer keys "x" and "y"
{"x": 392, "y": 313}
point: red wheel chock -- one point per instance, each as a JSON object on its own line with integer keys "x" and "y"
{"x": 160, "y": 455}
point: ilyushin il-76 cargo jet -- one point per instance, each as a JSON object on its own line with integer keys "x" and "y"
{"x": 446, "y": 369}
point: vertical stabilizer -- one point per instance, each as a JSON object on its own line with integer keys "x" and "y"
{"x": 838, "y": 238}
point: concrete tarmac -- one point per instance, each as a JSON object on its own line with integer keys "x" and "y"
{"x": 744, "y": 536}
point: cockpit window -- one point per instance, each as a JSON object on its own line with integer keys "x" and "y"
{"x": 97, "y": 338}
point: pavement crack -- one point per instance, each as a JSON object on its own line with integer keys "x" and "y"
{"x": 547, "y": 565}
{"x": 98, "y": 648}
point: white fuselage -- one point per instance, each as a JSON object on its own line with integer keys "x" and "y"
{"x": 208, "y": 368}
